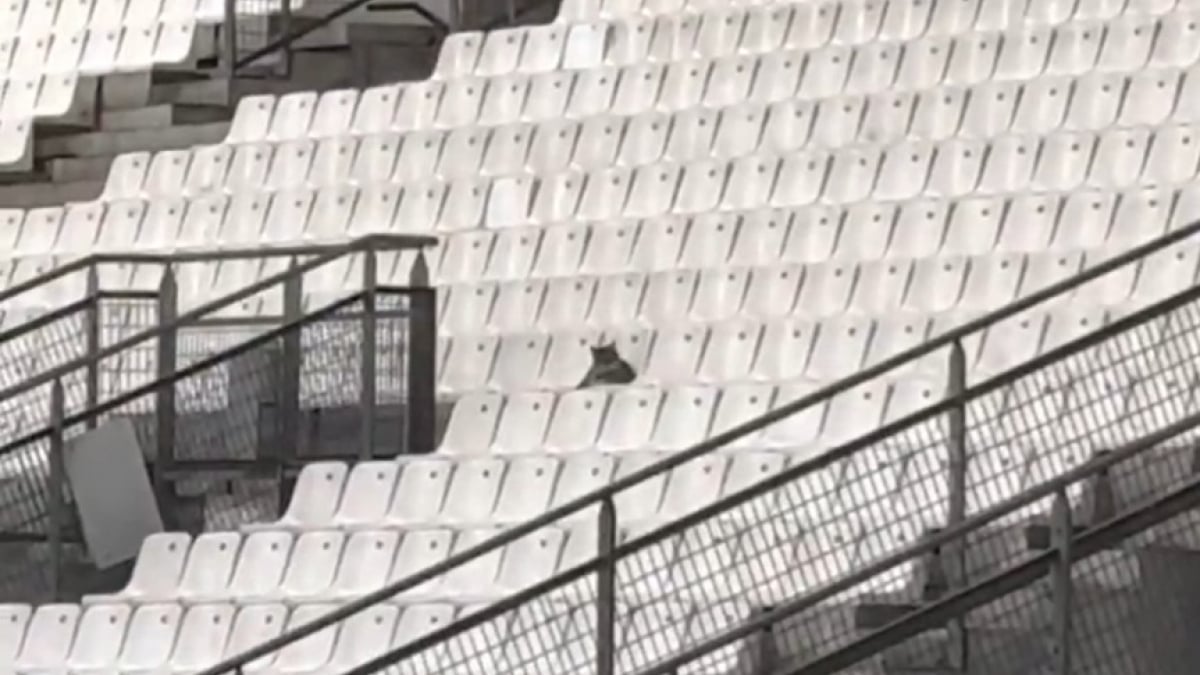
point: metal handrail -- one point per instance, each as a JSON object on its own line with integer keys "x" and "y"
{"x": 328, "y": 18}
{"x": 721, "y": 439}
{"x": 124, "y": 398}
{"x": 790, "y": 474}
{"x": 244, "y": 347}
{"x": 929, "y": 544}
{"x": 43, "y": 320}
{"x": 319, "y": 256}
{"x": 1092, "y": 540}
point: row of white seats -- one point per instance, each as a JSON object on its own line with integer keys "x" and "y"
{"x": 735, "y": 132}
{"x": 663, "y": 299}
{"x": 334, "y": 566}
{"x": 333, "y": 545}
{"x": 104, "y": 49}
{"x": 47, "y": 81}
{"x": 782, "y": 76}
{"x": 684, "y": 583}
{"x": 1113, "y": 160}
{"x": 495, "y": 428}
{"x": 29, "y": 21}
{"x": 639, "y": 418}
{"x": 979, "y": 113}
{"x": 1034, "y": 223}
{"x": 95, "y": 51}
{"x": 40, "y": 96}
{"x": 311, "y": 562}
{"x": 887, "y": 492}
{"x": 732, "y": 351}
{"x": 175, "y": 638}
{"x": 537, "y": 331}
{"x": 865, "y": 231}
{"x": 726, "y": 30}
{"x": 1036, "y": 11}
{"x": 497, "y": 335}
{"x": 642, "y": 417}
{"x": 811, "y": 292}
{"x": 1057, "y": 161}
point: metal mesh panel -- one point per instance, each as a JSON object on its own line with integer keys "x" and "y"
{"x": 40, "y": 351}
{"x": 887, "y": 495}
{"x": 702, "y": 579}
{"x": 226, "y": 410}
{"x": 57, "y": 341}
{"x": 1130, "y": 594}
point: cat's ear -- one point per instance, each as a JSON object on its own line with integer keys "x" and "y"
{"x": 596, "y": 349}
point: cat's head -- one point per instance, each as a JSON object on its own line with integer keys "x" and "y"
{"x": 605, "y": 353}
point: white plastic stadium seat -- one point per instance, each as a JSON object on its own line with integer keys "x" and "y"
{"x": 157, "y": 571}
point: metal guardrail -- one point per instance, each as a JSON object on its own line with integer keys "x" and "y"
{"x": 103, "y": 377}
{"x": 1072, "y": 545}
{"x": 602, "y": 569}
{"x": 794, "y": 491}
{"x": 1127, "y": 343}
{"x": 308, "y": 258}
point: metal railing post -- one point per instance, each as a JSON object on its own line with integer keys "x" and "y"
{"x": 420, "y": 396}
{"x": 1061, "y": 534}
{"x": 368, "y": 347}
{"x": 285, "y": 22}
{"x": 164, "y": 396}
{"x": 92, "y": 337}
{"x": 230, "y": 48}
{"x": 606, "y": 590}
{"x": 58, "y": 480}
{"x": 288, "y": 419}
{"x": 956, "y": 559}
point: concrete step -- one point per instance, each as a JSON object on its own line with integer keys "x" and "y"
{"x": 161, "y": 116}
{"x": 99, "y": 143}
{"x": 71, "y": 169}
{"x": 312, "y": 70}
{"x": 175, "y": 75}
{"x": 1131, "y": 608}
{"x": 208, "y": 92}
{"x": 79, "y": 169}
{"x": 32, "y": 195}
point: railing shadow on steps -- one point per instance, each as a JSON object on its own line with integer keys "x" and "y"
{"x": 284, "y": 42}
{"x": 512, "y": 11}
{"x": 592, "y": 587}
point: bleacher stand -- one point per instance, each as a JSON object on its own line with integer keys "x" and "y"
{"x": 52, "y": 53}
{"x": 749, "y": 199}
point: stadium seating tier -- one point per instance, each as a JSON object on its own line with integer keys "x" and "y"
{"x": 750, "y": 198}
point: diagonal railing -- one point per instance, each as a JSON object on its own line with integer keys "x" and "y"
{"x": 590, "y": 589}
{"x": 1123, "y": 394}
{"x": 141, "y": 335}
{"x": 109, "y": 338}
{"x": 1072, "y": 547}
{"x": 812, "y": 524}
{"x": 361, "y": 355}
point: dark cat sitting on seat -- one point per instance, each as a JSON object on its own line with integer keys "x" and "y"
{"x": 607, "y": 368}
